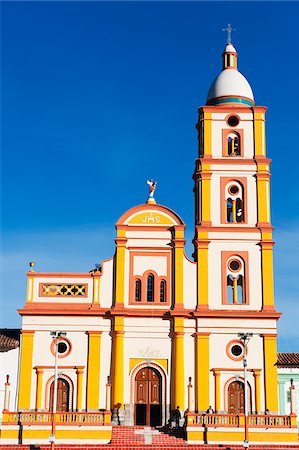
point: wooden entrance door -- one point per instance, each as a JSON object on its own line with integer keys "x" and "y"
{"x": 148, "y": 397}
{"x": 236, "y": 398}
{"x": 63, "y": 395}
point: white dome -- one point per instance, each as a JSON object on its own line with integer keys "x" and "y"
{"x": 230, "y": 83}
{"x": 230, "y": 48}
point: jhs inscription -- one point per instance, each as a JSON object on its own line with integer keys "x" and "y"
{"x": 151, "y": 218}
{"x": 148, "y": 353}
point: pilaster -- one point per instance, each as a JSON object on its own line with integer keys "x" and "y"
{"x": 93, "y": 370}
{"x": 178, "y": 371}
{"x": 202, "y": 371}
{"x": 270, "y": 372}
{"x": 26, "y": 370}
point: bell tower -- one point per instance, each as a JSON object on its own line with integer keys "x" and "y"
{"x": 233, "y": 232}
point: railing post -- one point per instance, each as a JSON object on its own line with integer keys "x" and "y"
{"x": 190, "y": 395}
{"x": 6, "y": 394}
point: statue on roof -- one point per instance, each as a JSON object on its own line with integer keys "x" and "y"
{"x": 152, "y": 186}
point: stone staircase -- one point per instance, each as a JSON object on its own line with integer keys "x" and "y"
{"x": 140, "y": 438}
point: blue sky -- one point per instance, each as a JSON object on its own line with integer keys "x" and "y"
{"x": 99, "y": 96}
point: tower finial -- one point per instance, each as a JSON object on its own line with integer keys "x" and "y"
{"x": 152, "y": 186}
{"x": 229, "y": 30}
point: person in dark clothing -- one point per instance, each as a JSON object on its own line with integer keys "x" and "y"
{"x": 177, "y": 416}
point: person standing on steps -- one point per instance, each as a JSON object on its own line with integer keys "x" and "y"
{"x": 177, "y": 416}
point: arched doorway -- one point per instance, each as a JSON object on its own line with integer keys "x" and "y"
{"x": 63, "y": 395}
{"x": 148, "y": 397}
{"x": 236, "y": 398}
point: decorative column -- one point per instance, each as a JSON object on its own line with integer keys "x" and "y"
{"x": 270, "y": 372}
{"x": 267, "y": 272}
{"x": 39, "y": 388}
{"x": 93, "y": 370}
{"x": 257, "y": 390}
{"x": 206, "y": 197}
{"x": 6, "y": 394}
{"x": 282, "y": 409}
{"x": 259, "y": 130}
{"x": 202, "y": 246}
{"x": 25, "y": 370}
{"x": 30, "y": 283}
{"x": 178, "y": 373}
{"x": 263, "y": 192}
{"x": 79, "y": 373}
{"x": 120, "y": 266}
{"x": 179, "y": 243}
{"x": 202, "y": 371}
{"x": 96, "y": 287}
{"x": 216, "y": 373}
{"x": 117, "y": 375}
{"x": 108, "y": 394}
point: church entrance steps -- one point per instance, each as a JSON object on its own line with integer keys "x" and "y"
{"x": 143, "y": 447}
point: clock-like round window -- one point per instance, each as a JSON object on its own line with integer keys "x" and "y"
{"x": 234, "y": 265}
{"x": 233, "y": 121}
{"x": 233, "y": 189}
{"x": 235, "y": 350}
{"x": 64, "y": 347}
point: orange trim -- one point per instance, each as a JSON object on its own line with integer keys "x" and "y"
{"x": 134, "y": 248}
{"x": 223, "y": 183}
{"x": 60, "y": 367}
{"x": 227, "y": 160}
{"x": 225, "y": 256}
{"x": 229, "y": 107}
{"x": 228, "y": 350}
{"x": 259, "y": 109}
{"x": 143, "y": 277}
{"x": 227, "y": 369}
{"x": 61, "y": 339}
{"x": 237, "y": 314}
{"x": 59, "y": 275}
{"x": 161, "y": 312}
{"x": 225, "y": 133}
{"x": 153, "y": 228}
{"x": 150, "y": 207}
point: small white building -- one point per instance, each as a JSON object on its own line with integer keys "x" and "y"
{"x": 9, "y": 357}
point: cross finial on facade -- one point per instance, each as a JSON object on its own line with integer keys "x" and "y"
{"x": 229, "y": 30}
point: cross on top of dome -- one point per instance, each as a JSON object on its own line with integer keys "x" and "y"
{"x": 229, "y": 30}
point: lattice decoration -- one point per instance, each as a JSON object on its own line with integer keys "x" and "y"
{"x": 63, "y": 290}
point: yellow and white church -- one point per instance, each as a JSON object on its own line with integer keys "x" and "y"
{"x": 151, "y": 330}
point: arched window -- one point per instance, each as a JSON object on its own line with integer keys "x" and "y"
{"x": 138, "y": 290}
{"x": 239, "y": 210}
{"x": 234, "y": 194}
{"x": 233, "y": 144}
{"x": 150, "y": 294}
{"x": 229, "y": 210}
{"x": 163, "y": 291}
{"x": 235, "y": 282}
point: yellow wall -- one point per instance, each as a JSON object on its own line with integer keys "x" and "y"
{"x": 26, "y": 370}
{"x": 93, "y": 370}
{"x": 270, "y": 373}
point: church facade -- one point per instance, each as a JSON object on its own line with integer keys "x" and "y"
{"x": 151, "y": 331}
